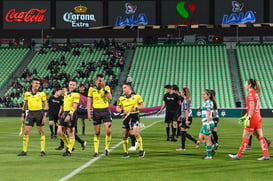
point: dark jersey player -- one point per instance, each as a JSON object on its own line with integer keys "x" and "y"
{"x": 55, "y": 103}
{"x": 176, "y": 90}
{"x": 171, "y": 102}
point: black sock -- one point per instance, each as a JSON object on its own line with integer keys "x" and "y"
{"x": 215, "y": 136}
{"x": 76, "y": 129}
{"x": 61, "y": 143}
{"x": 178, "y": 130}
{"x": 191, "y": 138}
{"x": 250, "y": 140}
{"x": 168, "y": 132}
{"x": 56, "y": 128}
{"x": 212, "y": 140}
{"x": 133, "y": 139}
{"x": 51, "y": 129}
{"x": 78, "y": 139}
{"x": 183, "y": 139}
{"x": 83, "y": 130}
{"x": 174, "y": 132}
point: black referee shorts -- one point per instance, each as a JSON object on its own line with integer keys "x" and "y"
{"x": 70, "y": 123}
{"x": 34, "y": 116}
{"x": 216, "y": 121}
{"x": 131, "y": 121}
{"x": 101, "y": 115}
{"x": 183, "y": 125}
{"x": 170, "y": 116}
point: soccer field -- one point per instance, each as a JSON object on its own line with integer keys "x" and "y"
{"x": 161, "y": 161}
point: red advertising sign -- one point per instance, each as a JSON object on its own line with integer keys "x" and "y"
{"x": 26, "y": 14}
{"x": 33, "y": 15}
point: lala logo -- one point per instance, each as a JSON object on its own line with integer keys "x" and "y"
{"x": 132, "y": 20}
{"x": 242, "y": 17}
{"x": 182, "y": 11}
{"x": 130, "y": 9}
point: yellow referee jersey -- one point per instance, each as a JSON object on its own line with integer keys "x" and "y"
{"x": 69, "y": 99}
{"x": 35, "y": 101}
{"x": 100, "y": 100}
{"x": 127, "y": 103}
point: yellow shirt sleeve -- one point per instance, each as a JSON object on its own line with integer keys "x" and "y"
{"x": 43, "y": 96}
{"x": 76, "y": 98}
{"x": 25, "y": 97}
{"x": 119, "y": 102}
{"x": 139, "y": 99}
{"x": 90, "y": 93}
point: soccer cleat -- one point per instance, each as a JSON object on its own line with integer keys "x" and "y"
{"x": 125, "y": 155}
{"x": 207, "y": 157}
{"x": 180, "y": 149}
{"x": 95, "y": 155}
{"x": 174, "y": 139}
{"x": 52, "y": 136}
{"x": 216, "y": 146}
{"x": 106, "y": 153}
{"x": 248, "y": 147}
{"x": 59, "y": 148}
{"x": 264, "y": 158}
{"x": 197, "y": 144}
{"x": 168, "y": 139}
{"x": 132, "y": 148}
{"x": 42, "y": 153}
{"x": 67, "y": 153}
{"x": 235, "y": 157}
{"x": 83, "y": 145}
{"x": 141, "y": 154}
{"x": 22, "y": 153}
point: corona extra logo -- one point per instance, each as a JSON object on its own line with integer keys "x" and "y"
{"x": 80, "y": 9}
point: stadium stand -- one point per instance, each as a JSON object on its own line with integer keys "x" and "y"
{"x": 71, "y": 68}
{"x": 11, "y": 58}
{"x": 256, "y": 61}
{"x": 197, "y": 67}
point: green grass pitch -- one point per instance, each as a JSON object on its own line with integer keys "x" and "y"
{"x": 161, "y": 162}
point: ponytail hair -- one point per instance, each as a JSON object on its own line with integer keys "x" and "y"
{"x": 213, "y": 98}
{"x": 187, "y": 93}
{"x": 255, "y": 84}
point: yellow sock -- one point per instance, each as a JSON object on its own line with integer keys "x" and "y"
{"x": 125, "y": 145}
{"x": 96, "y": 143}
{"x": 71, "y": 144}
{"x": 65, "y": 140}
{"x": 42, "y": 139}
{"x": 25, "y": 143}
{"x": 107, "y": 141}
{"x": 139, "y": 141}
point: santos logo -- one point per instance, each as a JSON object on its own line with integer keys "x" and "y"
{"x": 181, "y": 10}
{"x": 76, "y": 19}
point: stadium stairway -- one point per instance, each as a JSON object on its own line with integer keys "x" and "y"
{"x": 129, "y": 54}
{"x": 235, "y": 76}
{"x": 17, "y": 71}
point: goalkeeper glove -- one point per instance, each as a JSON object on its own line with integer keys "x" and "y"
{"x": 247, "y": 121}
{"x": 242, "y": 119}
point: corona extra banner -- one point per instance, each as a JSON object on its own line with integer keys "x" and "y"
{"x": 26, "y": 15}
{"x": 238, "y": 12}
{"x": 131, "y": 13}
{"x": 78, "y": 14}
{"x": 185, "y": 12}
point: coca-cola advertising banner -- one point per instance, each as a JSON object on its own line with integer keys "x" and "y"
{"x": 26, "y": 15}
{"x": 132, "y": 13}
{"x": 185, "y": 12}
{"x": 78, "y": 14}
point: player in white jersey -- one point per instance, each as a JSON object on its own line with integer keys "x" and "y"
{"x": 207, "y": 122}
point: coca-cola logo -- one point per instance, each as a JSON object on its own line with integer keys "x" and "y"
{"x": 32, "y": 16}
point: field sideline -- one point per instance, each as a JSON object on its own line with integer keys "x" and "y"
{"x": 161, "y": 162}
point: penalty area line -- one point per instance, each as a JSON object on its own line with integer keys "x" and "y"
{"x": 93, "y": 160}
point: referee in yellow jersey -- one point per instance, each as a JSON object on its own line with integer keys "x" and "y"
{"x": 34, "y": 101}
{"x": 69, "y": 117}
{"x": 130, "y": 104}
{"x": 98, "y": 99}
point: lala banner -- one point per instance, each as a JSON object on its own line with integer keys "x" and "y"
{"x": 143, "y": 112}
